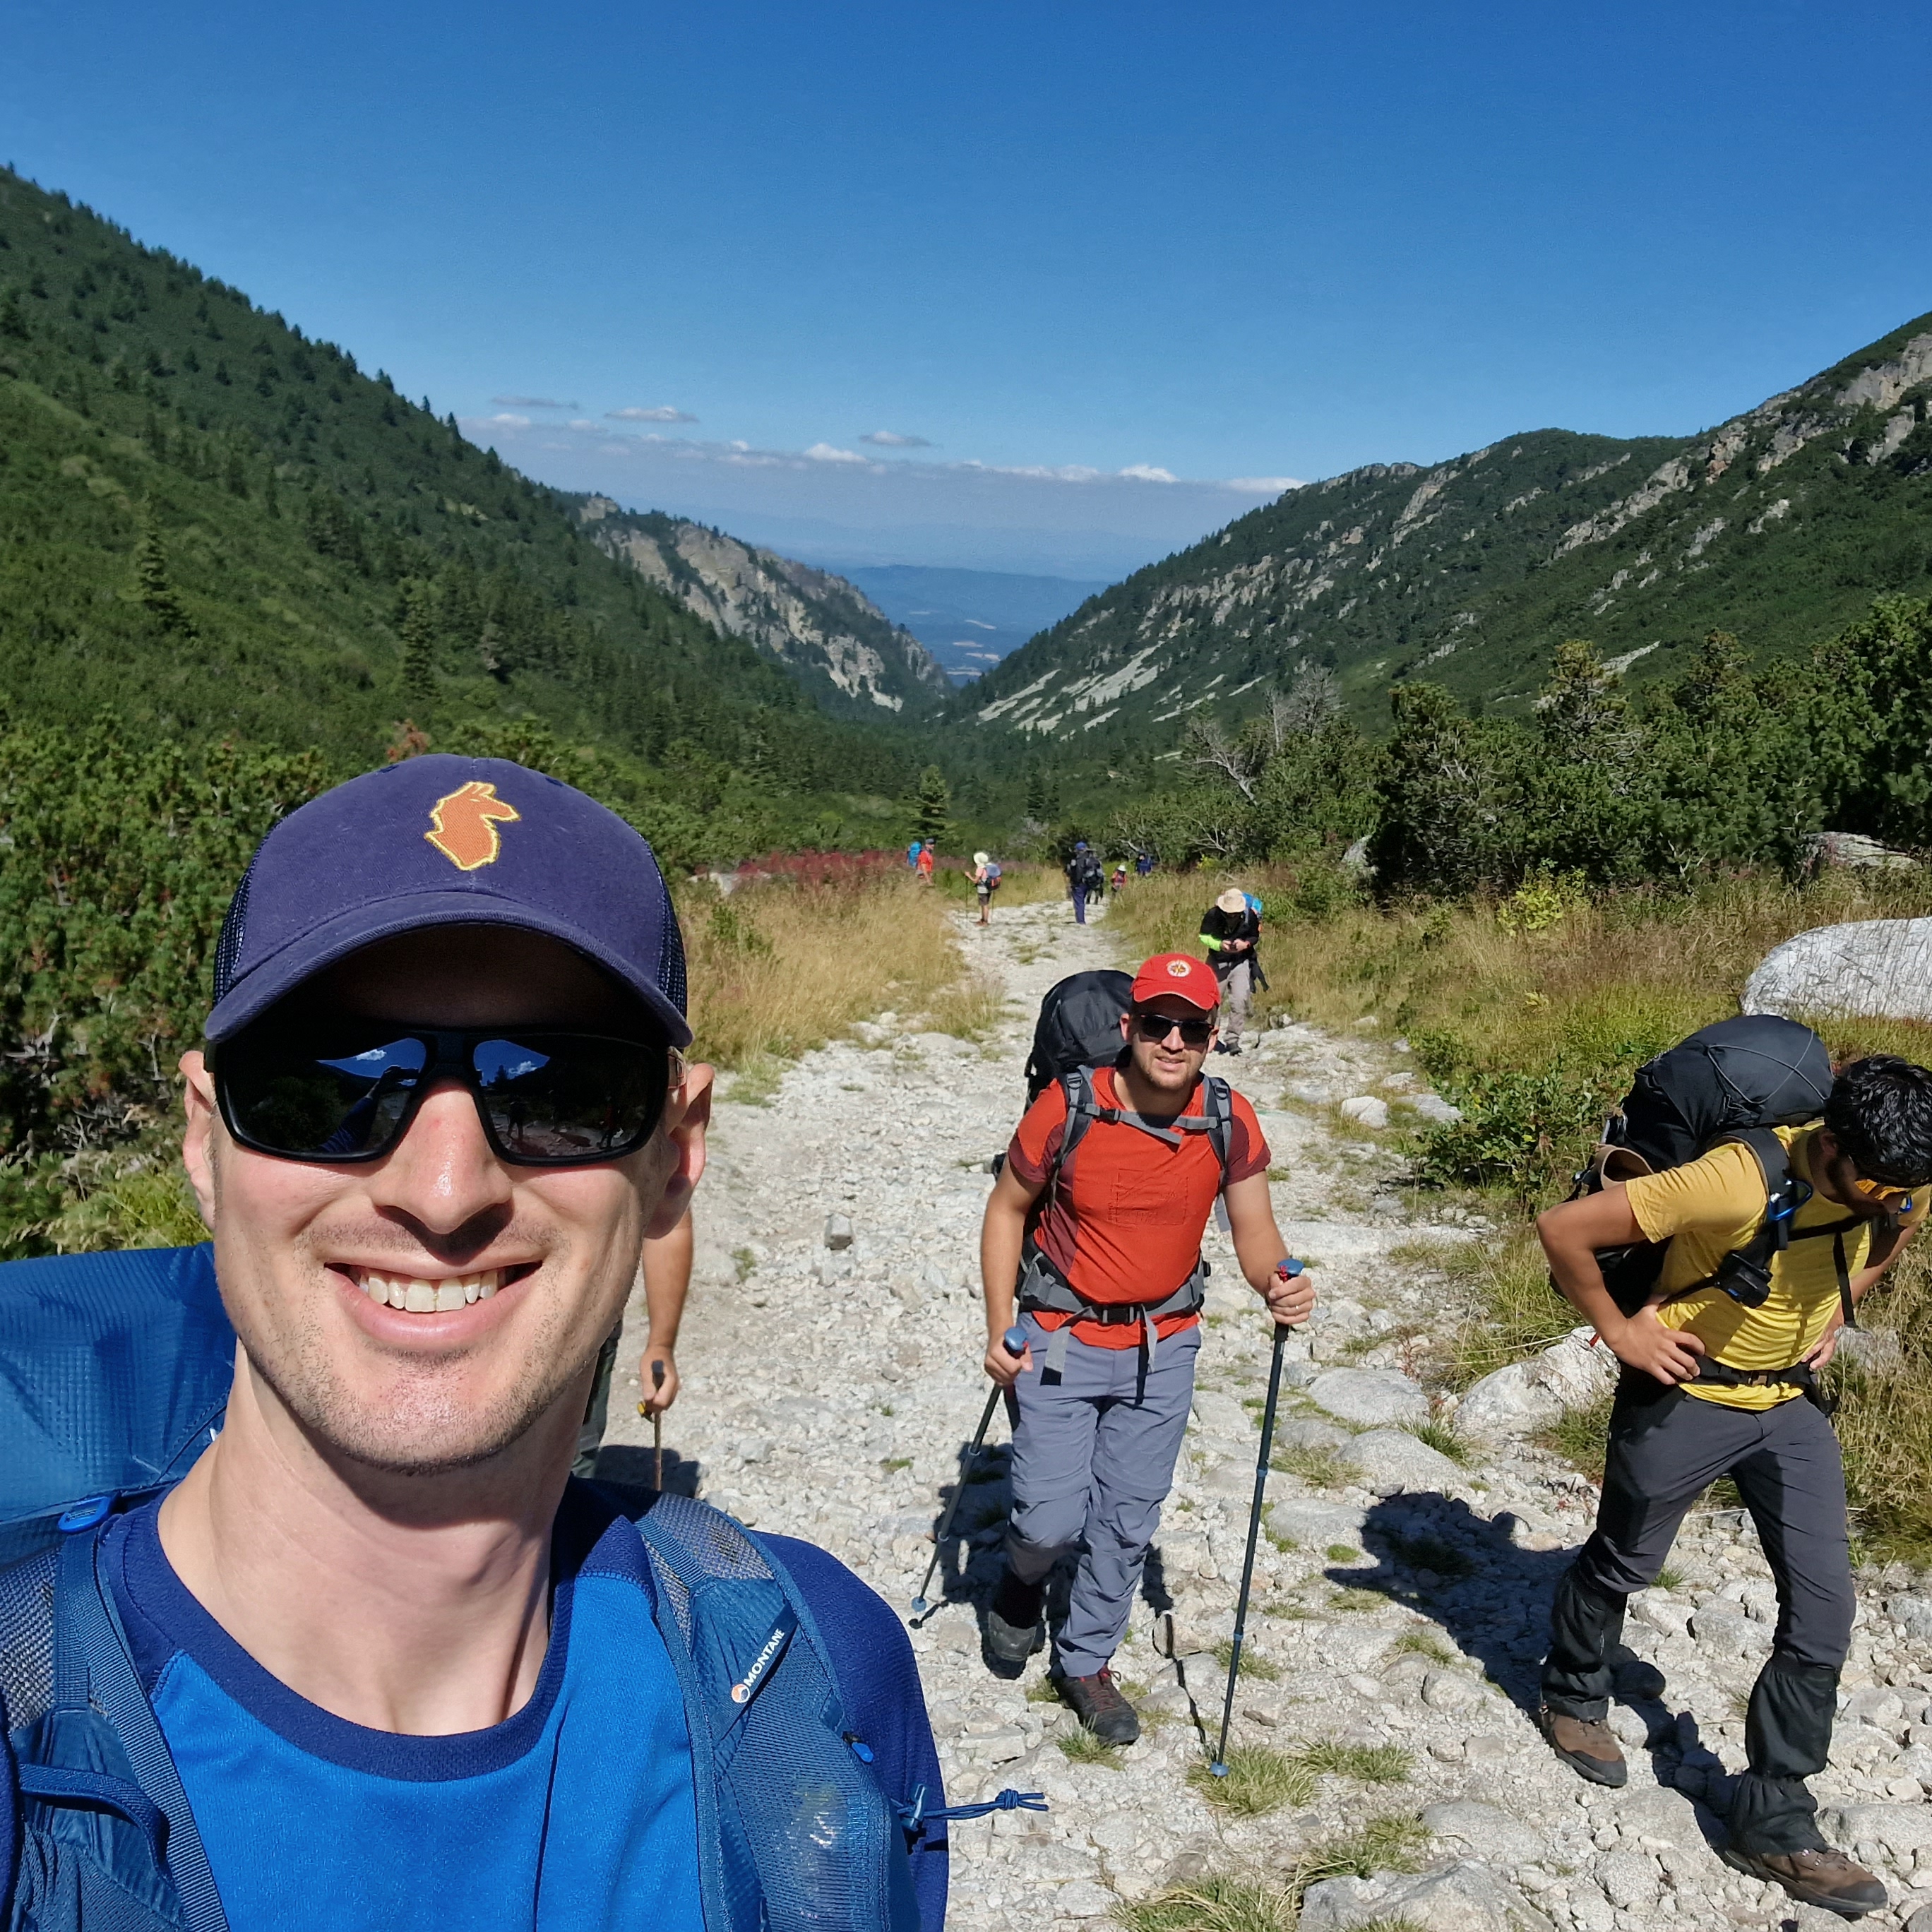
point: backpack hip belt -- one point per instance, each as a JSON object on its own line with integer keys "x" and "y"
{"x": 1043, "y": 1288}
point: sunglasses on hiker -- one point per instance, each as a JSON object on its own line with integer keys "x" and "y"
{"x": 1155, "y": 1027}
{"x": 346, "y": 1091}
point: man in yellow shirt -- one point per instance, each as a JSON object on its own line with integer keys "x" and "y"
{"x": 1713, "y": 1386}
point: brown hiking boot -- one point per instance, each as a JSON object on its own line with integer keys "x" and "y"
{"x": 1825, "y": 1878}
{"x": 1585, "y": 1745}
{"x": 1097, "y": 1702}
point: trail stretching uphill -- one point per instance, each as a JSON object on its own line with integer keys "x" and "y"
{"x": 828, "y": 1392}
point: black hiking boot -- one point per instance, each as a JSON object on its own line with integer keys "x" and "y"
{"x": 1825, "y": 1878}
{"x": 1097, "y": 1702}
{"x": 1014, "y": 1628}
{"x": 1585, "y": 1745}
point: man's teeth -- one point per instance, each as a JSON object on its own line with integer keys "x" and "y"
{"x": 430, "y": 1297}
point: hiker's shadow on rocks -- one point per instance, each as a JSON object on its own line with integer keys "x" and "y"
{"x": 1435, "y": 1555}
{"x": 636, "y": 1469}
{"x": 969, "y": 1557}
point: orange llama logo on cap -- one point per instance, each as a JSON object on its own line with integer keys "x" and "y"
{"x": 463, "y": 825}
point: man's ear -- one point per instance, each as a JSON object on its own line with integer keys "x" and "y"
{"x": 198, "y": 1140}
{"x": 687, "y": 1115}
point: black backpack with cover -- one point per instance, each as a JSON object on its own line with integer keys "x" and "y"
{"x": 1735, "y": 1081}
{"x": 1079, "y": 1025}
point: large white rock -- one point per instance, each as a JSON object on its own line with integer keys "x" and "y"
{"x": 1313, "y": 1523}
{"x": 1367, "y": 1110}
{"x": 1465, "y": 1896}
{"x": 1899, "y": 1828}
{"x": 1879, "y": 967}
{"x": 1526, "y": 1396}
{"x": 1369, "y": 1396}
{"x": 1221, "y": 1414}
{"x": 1391, "y": 1460}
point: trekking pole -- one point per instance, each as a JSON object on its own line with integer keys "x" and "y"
{"x": 1218, "y": 1768}
{"x": 657, "y": 1422}
{"x": 1016, "y": 1342}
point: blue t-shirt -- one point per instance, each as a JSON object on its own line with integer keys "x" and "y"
{"x": 567, "y": 1817}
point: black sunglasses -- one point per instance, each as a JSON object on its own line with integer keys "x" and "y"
{"x": 1154, "y": 1029}
{"x": 345, "y": 1091}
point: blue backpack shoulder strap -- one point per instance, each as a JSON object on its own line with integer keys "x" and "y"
{"x": 117, "y": 1844}
{"x": 796, "y": 1833}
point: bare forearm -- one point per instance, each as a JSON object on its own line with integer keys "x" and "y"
{"x": 1001, "y": 1238}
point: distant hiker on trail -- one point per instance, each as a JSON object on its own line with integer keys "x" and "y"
{"x": 666, "y": 1266}
{"x": 1143, "y": 864}
{"x": 1120, "y": 878}
{"x": 927, "y": 855}
{"x": 1231, "y": 930}
{"x": 1085, "y": 875}
{"x": 438, "y": 1115}
{"x": 1719, "y": 1369}
{"x": 985, "y": 883}
{"x": 912, "y": 854}
{"x": 1094, "y": 1227}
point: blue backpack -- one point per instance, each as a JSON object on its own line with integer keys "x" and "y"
{"x": 114, "y": 1375}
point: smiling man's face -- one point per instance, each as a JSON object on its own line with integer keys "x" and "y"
{"x": 312, "y": 1259}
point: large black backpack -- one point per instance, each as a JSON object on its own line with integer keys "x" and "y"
{"x": 1736, "y": 1080}
{"x": 1079, "y": 1025}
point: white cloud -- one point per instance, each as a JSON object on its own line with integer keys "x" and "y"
{"x": 885, "y": 439}
{"x": 1147, "y": 472}
{"x": 532, "y": 403}
{"x": 1263, "y": 486}
{"x": 664, "y": 413}
{"x": 823, "y": 452}
{"x": 506, "y": 421}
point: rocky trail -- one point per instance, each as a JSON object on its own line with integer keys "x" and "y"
{"x": 829, "y": 1391}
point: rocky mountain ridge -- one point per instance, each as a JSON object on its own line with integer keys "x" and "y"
{"x": 1779, "y": 525}
{"x": 827, "y": 632}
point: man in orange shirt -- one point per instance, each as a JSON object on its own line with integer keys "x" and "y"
{"x": 1096, "y": 1232}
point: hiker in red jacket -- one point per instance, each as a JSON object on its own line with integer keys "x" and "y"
{"x": 1094, "y": 1227}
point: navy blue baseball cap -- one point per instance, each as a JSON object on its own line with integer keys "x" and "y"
{"x": 443, "y": 840}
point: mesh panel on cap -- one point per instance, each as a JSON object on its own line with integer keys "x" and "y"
{"x": 670, "y": 953}
{"x": 234, "y": 930}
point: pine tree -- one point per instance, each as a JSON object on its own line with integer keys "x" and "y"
{"x": 12, "y": 322}
{"x": 418, "y": 626}
{"x": 236, "y": 473}
{"x": 153, "y": 588}
{"x": 932, "y": 807}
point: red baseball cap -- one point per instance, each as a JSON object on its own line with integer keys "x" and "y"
{"x": 1183, "y": 976}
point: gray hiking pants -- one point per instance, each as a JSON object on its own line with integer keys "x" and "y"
{"x": 1666, "y": 1447}
{"x": 1094, "y": 1458}
{"x": 1238, "y": 986}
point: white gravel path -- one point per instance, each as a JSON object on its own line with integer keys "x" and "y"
{"x": 830, "y": 1395}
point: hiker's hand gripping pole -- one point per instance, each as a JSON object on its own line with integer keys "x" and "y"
{"x": 1015, "y": 1341}
{"x": 1287, "y": 1270}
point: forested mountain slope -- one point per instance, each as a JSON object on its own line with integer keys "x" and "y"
{"x": 1781, "y": 526}
{"x": 212, "y": 526}
{"x": 828, "y": 633}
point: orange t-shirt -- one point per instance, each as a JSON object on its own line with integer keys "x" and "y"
{"x": 1127, "y": 1224}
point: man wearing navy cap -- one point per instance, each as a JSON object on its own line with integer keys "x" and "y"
{"x": 394, "y": 1667}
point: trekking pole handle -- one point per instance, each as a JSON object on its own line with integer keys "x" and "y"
{"x": 1288, "y": 1267}
{"x": 1014, "y": 1341}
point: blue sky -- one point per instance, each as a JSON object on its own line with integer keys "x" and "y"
{"x": 1218, "y": 245}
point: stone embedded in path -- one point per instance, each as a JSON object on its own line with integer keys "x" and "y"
{"x": 1525, "y": 1396}
{"x": 1391, "y": 1460}
{"x": 1465, "y": 1896}
{"x": 1486, "y": 1830}
{"x": 838, "y": 1231}
{"x": 1369, "y": 1396}
{"x": 1313, "y": 1523}
{"x": 1902, "y": 1829}
{"x": 1367, "y": 1110}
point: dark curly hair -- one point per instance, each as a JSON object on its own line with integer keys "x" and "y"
{"x": 1880, "y": 1114}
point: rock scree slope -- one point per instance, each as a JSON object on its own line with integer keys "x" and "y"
{"x": 1400, "y": 1597}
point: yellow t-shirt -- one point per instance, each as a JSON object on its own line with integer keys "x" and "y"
{"x": 1709, "y": 1206}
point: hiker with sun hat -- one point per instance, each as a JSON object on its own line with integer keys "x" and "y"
{"x": 1230, "y": 929}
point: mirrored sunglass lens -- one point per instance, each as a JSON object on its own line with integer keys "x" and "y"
{"x": 552, "y": 1100}
{"x": 321, "y": 1103}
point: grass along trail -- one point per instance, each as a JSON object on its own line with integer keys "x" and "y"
{"x": 1382, "y": 1726}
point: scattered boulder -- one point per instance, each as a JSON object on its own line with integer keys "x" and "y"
{"x": 1523, "y": 1397}
{"x": 1657, "y": 1812}
{"x": 1367, "y": 1110}
{"x": 1305, "y": 1432}
{"x": 1485, "y": 1831}
{"x": 838, "y": 1231}
{"x": 1315, "y": 1524}
{"x": 1220, "y": 1415}
{"x": 1391, "y": 1460}
{"x": 1433, "y": 1109}
{"x": 1465, "y": 1896}
{"x": 1913, "y": 1616}
{"x": 1854, "y": 848}
{"x": 1902, "y": 1829}
{"x": 1878, "y": 968}
{"x": 1370, "y": 1396}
